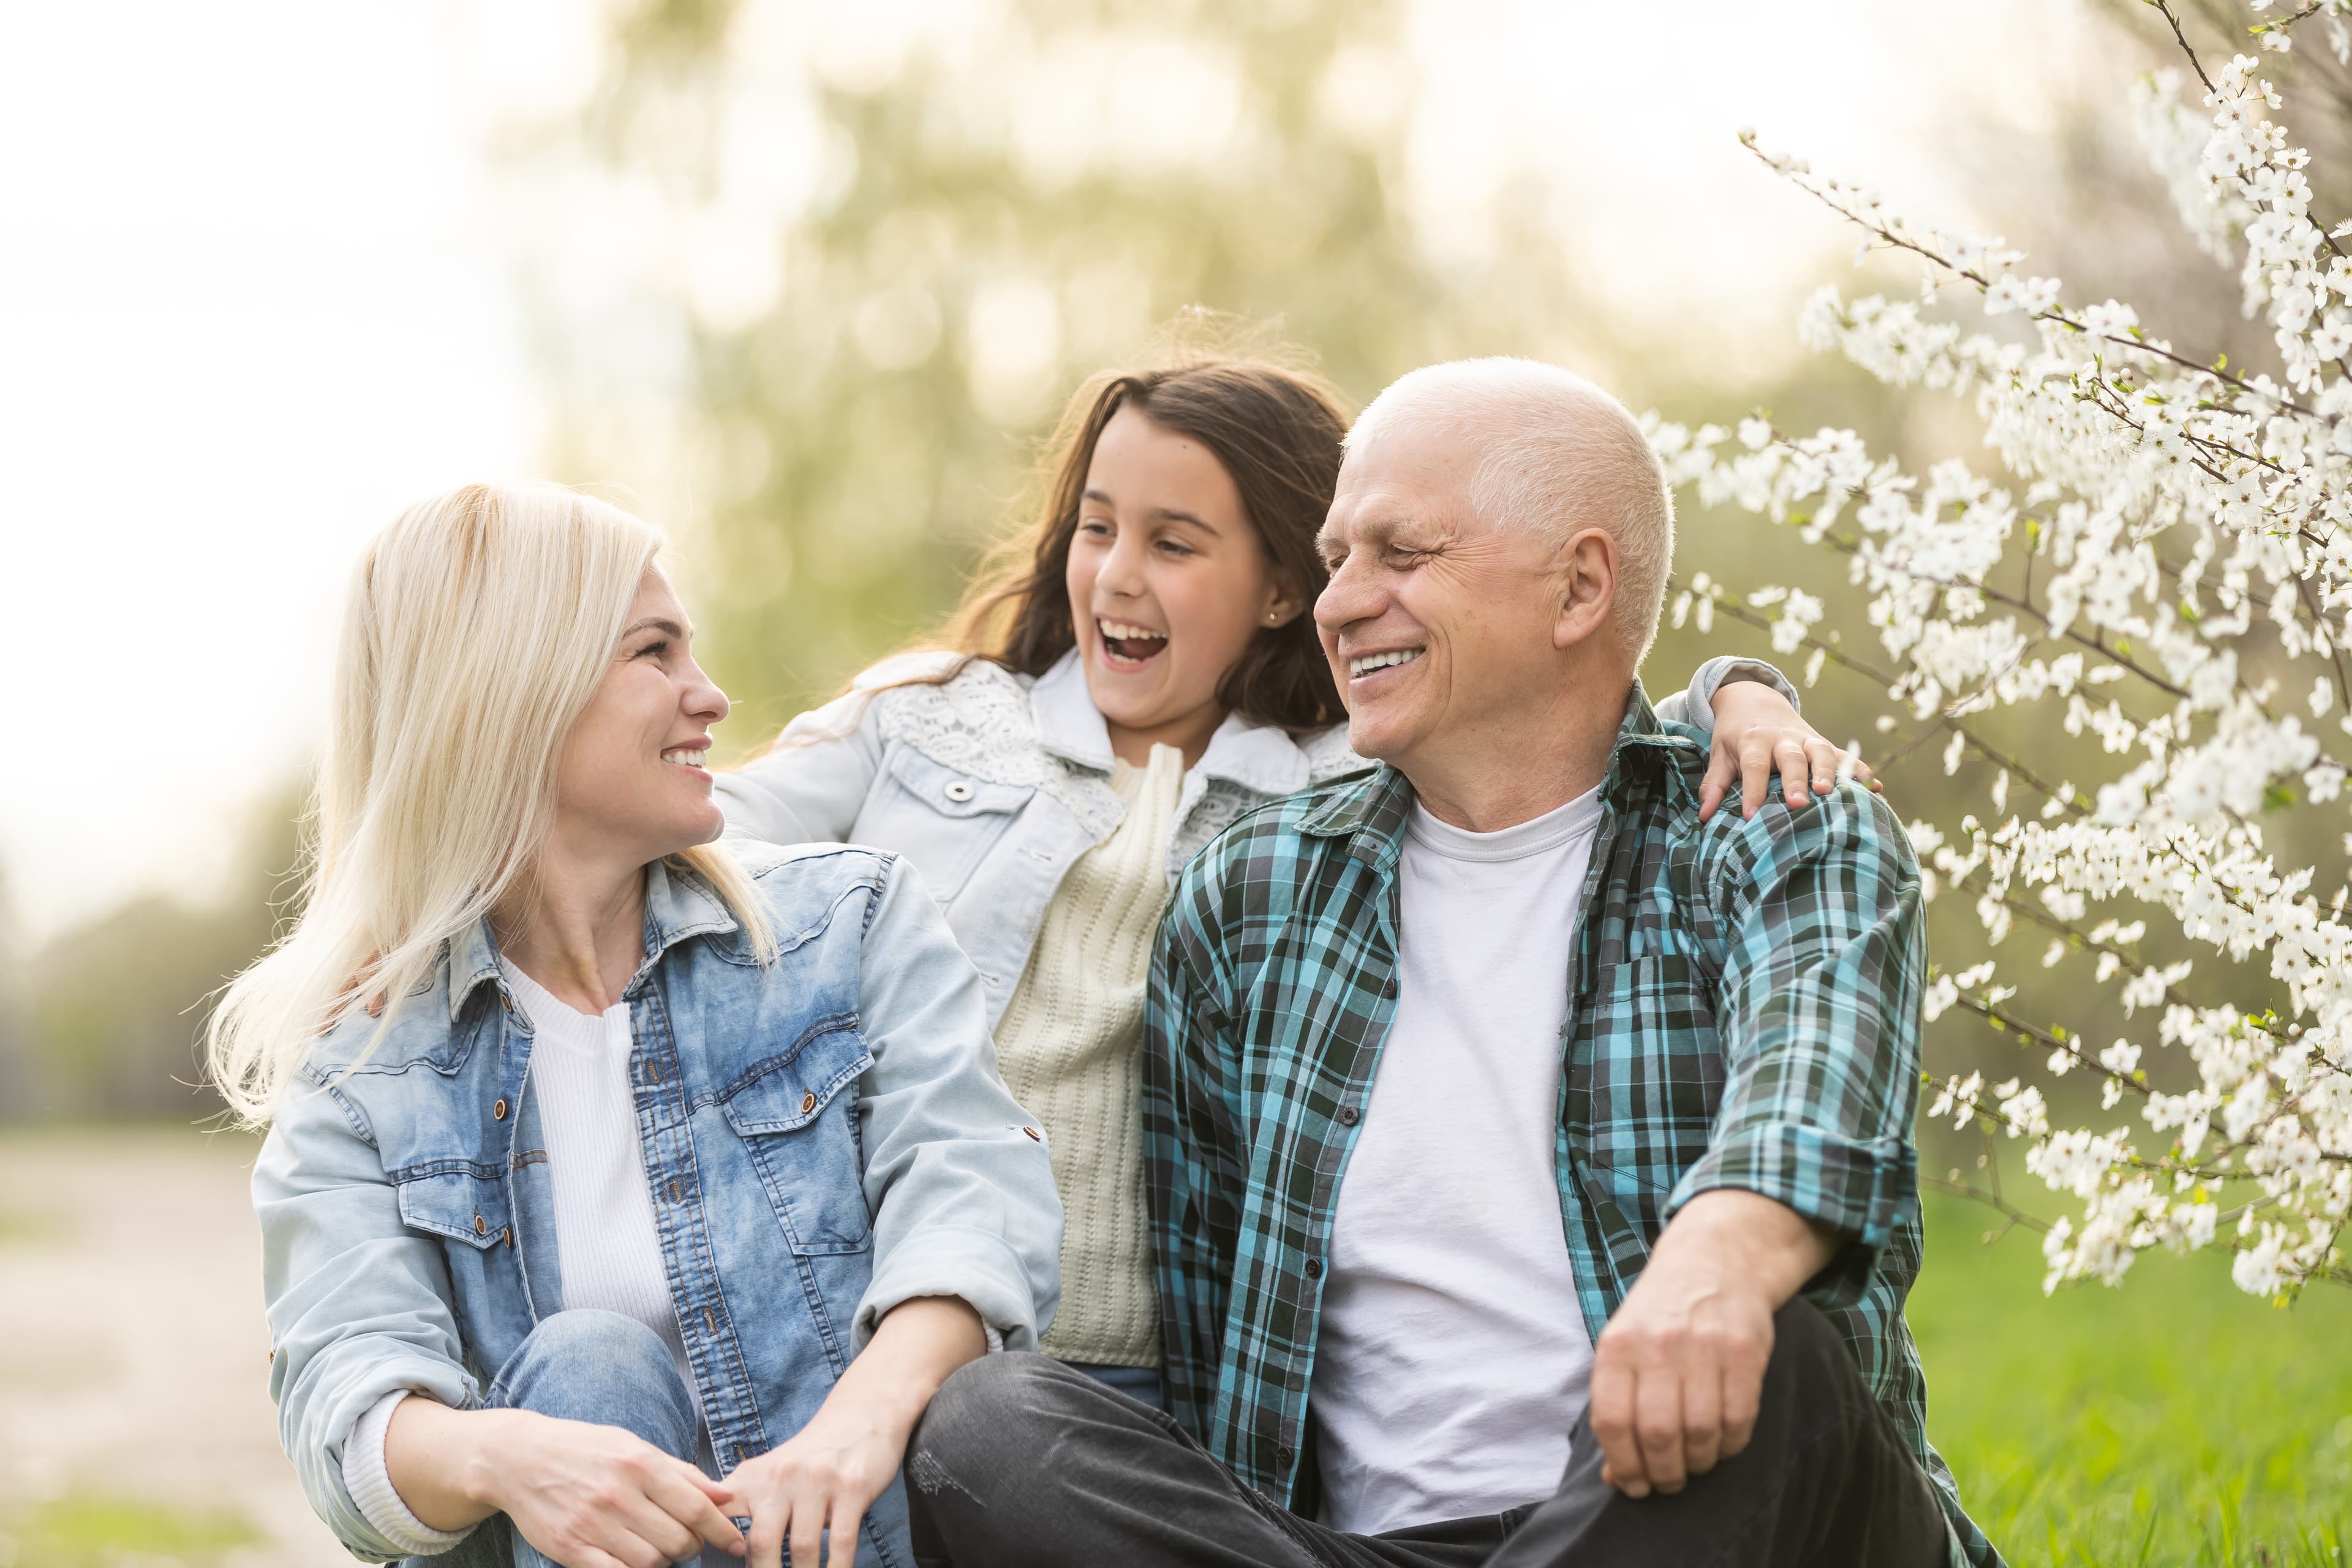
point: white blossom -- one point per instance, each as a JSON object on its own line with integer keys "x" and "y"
{"x": 2188, "y": 525}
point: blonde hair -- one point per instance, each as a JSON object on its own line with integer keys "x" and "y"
{"x": 476, "y": 629}
{"x": 1556, "y": 454}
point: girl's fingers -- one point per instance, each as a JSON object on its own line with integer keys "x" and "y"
{"x": 1755, "y": 776}
{"x": 1789, "y": 757}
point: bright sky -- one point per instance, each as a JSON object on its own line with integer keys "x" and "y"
{"x": 254, "y": 295}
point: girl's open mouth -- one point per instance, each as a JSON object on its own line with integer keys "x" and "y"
{"x": 1127, "y": 645}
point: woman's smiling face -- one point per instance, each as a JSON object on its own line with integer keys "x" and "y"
{"x": 1168, "y": 582}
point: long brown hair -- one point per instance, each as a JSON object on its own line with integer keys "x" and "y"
{"x": 1276, "y": 428}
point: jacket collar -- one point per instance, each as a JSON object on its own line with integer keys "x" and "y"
{"x": 1372, "y": 810}
{"x": 1262, "y": 758}
{"x": 677, "y": 906}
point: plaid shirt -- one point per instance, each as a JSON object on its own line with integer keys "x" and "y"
{"x": 1742, "y": 1010}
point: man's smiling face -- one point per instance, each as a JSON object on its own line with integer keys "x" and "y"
{"x": 1438, "y": 623}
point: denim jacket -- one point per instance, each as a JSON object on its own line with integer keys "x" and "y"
{"x": 994, "y": 784}
{"x": 825, "y": 1137}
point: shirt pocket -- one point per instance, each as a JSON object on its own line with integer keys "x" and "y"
{"x": 796, "y": 1115}
{"x": 1656, "y": 1077}
{"x": 943, "y": 821}
{"x": 470, "y": 1216}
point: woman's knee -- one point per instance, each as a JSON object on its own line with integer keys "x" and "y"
{"x": 591, "y": 1365}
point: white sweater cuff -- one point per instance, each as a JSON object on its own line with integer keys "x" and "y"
{"x": 370, "y": 1484}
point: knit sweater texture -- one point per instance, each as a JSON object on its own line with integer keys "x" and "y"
{"x": 1071, "y": 1048}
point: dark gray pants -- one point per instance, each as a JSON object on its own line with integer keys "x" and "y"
{"x": 1023, "y": 1463}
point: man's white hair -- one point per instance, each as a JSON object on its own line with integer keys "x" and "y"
{"x": 1556, "y": 455}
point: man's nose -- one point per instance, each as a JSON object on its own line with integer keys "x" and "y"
{"x": 1348, "y": 597}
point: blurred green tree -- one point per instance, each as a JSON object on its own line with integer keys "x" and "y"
{"x": 991, "y": 215}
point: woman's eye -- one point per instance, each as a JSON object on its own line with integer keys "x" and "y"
{"x": 653, "y": 649}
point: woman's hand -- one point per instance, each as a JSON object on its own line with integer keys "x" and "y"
{"x": 1756, "y": 732}
{"x": 827, "y": 1477}
{"x": 588, "y": 1495}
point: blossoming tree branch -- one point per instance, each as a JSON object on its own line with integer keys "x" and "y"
{"x": 2165, "y": 567}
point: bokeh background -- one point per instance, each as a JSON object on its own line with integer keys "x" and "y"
{"x": 805, "y": 284}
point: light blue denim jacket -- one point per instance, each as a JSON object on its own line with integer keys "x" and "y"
{"x": 993, "y": 785}
{"x": 825, "y": 1138}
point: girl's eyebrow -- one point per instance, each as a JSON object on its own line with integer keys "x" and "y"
{"x": 1173, "y": 514}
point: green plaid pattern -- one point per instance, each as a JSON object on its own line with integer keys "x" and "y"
{"x": 1745, "y": 1014}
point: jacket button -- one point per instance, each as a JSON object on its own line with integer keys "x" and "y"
{"x": 808, "y": 1103}
{"x": 507, "y": 1236}
{"x": 653, "y": 1072}
{"x": 1348, "y": 1116}
{"x": 1034, "y": 1136}
{"x": 479, "y": 1228}
{"x": 1314, "y": 1268}
{"x": 958, "y": 790}
{"x": 499, "y": 1111}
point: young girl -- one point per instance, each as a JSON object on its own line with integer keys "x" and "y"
{"x": 1143, "y": 671}
{"x": 576, "y": 1208}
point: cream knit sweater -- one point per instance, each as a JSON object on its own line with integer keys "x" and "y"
{"x": 1071, "y": 1047}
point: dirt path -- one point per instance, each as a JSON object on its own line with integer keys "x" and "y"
{"x": 133, "y": 1354}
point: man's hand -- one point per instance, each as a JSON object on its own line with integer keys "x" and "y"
{"x": 1677, "y": 1372}
{"x": 1757, "y": 732}
{"x": 825, "y": 1478}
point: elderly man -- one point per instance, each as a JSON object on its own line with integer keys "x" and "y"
{"x": 1532, "y": 1172}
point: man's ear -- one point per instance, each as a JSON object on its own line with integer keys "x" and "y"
{"x": 1587, "y": 586}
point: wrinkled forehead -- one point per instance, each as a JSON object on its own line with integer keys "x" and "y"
{"x": 1410, "y": 469}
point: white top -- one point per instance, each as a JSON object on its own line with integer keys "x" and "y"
{"x": 1453, "y": 1358}
{"x": 606, "y": 1246}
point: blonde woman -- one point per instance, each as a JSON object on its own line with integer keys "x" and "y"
{"x": 1142, "y": 672}
{"x": 577, "y": 1208}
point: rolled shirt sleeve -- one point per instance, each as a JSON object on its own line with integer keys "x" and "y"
{"x": 358, "y": 1304}
{"x": 1818, "y": 1011}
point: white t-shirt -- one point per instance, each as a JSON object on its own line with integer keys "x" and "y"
{"x": 1452, "y": 1359}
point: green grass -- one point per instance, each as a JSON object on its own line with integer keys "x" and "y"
{"x": 2174, "y": 1421}
{"x": 80, "y": 1530}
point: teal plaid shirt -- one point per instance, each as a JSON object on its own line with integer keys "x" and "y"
{"x": 1742, "y": 1010}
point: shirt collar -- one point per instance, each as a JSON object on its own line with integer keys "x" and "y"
{"x": 1259, "y": 757}
{"x": 677, "y": 906}
{"x": 1374, "y": 810}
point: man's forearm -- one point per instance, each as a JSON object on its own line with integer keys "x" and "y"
{"x": 1676, "y": 1373}
{"x": 1744, "y": 1237}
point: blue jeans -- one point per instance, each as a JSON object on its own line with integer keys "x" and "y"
{"x": 588, "y": 1365}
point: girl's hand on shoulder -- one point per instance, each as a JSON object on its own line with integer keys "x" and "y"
{"x": 1758, "y": 733}
{"x": 599, "y": 1497}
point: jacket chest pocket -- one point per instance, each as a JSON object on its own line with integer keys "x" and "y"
{"x": 797, "y": 1117}
{"x": 1654, "y": 1075}
{"x": 470, "y": 1216}
{"x": 942, "y": 821}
